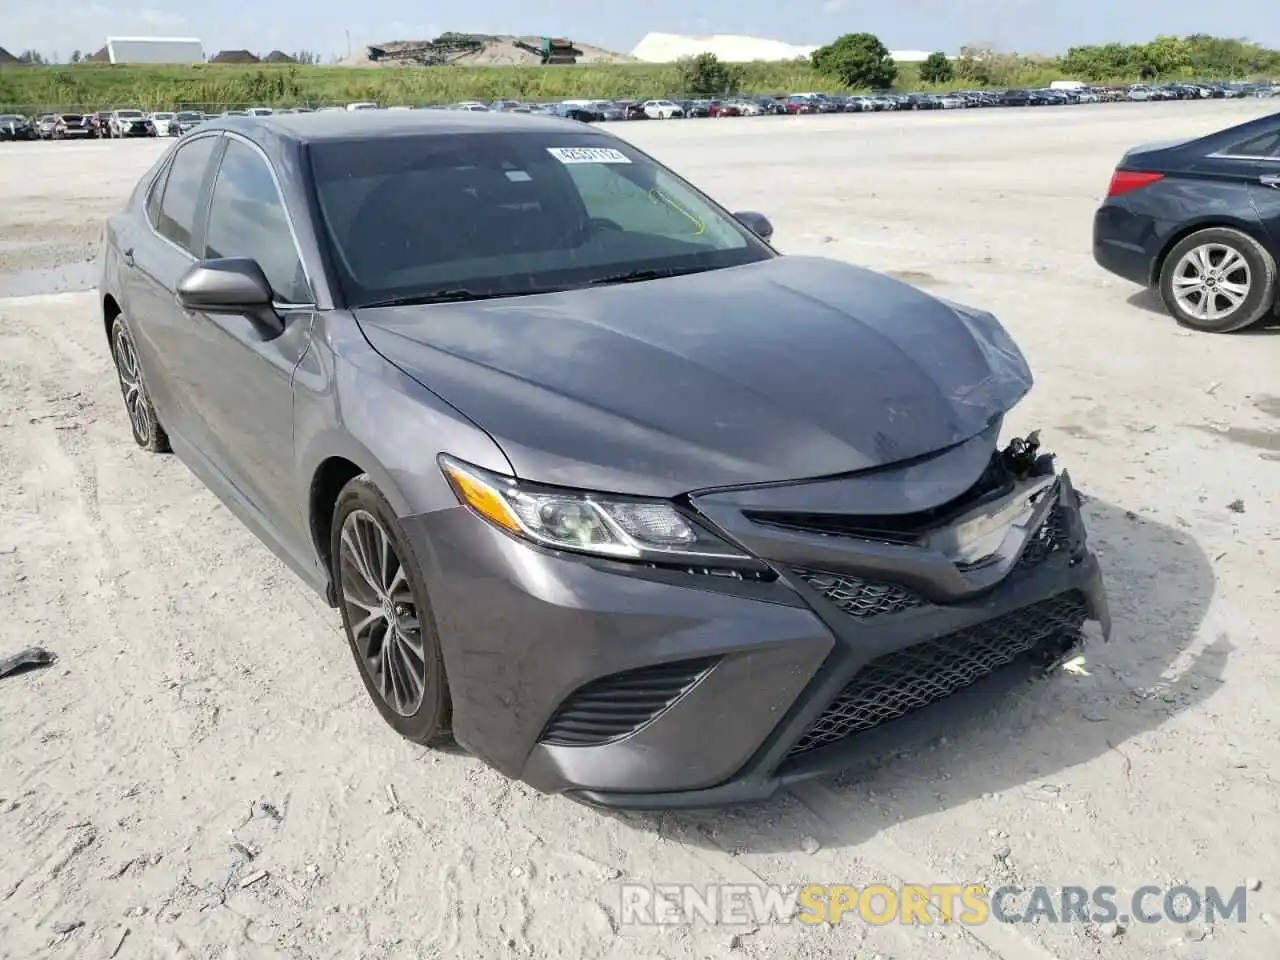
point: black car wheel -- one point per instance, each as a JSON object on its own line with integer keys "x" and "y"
{"x": 1218, "y": 280}
{"x": 387, "y": 616}
{"x": 147, "y": 431}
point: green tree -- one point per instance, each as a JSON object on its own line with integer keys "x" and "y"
{"x": 76, "y": 56}
{"x": 32, "y": 57}
{"x": 936, "y": 69}
{"x": 857, "y": 60}
{"x": 705, "y": 76}
{"x": 1166, "y": 56}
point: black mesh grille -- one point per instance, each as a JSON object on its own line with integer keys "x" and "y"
{"x": 1051, "y": 538}
{"x": 906, "y": 680}
{"x": 857, "y": 597}
{"x": 621, "y": 703}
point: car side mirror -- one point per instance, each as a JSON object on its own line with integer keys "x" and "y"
{"x": 757, "y": 223}
{"x": 233, "y": 286}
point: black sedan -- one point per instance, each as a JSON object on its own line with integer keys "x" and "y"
{"x": 1200, "y": 221}
{"x": 636, "y": 507}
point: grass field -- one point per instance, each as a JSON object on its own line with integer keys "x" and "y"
{"x": 220, "y": 86}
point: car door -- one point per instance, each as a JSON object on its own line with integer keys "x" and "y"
{"x": 241, "y": 378}
{"x": 157, "y": 252}
{"x": 1254, "y": 162}
{"x": 1266, "y": 190}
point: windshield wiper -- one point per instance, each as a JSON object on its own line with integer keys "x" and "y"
{"x": 457, "y": 296}
{"x": 434, "y": 296}
{"x": 636, "y": 276}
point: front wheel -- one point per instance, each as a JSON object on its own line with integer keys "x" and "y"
{"x": 387, "y": 615}
{"x": 1218, "y": 280}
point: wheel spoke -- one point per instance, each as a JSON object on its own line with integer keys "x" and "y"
{"x": 1231, "y": 260}
{"x": 356, "y": 558}
{"x": 1188, "y": 282}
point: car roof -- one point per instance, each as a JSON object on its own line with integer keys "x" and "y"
{"x": 372, "y": 124}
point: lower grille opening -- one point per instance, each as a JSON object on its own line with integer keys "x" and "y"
{"x": 907, "y": 680}
{"x": 614, "y": 706}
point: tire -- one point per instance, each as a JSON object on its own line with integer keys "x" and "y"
{"x": 1257, "y": 274}
{"x": 361, "y": 514}
{"x": 143, "y": 422}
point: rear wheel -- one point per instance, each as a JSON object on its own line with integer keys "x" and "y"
{"x": 147, "y": 432}
{"x": 1218, "y": 280}
{"x": 387, "y": 615}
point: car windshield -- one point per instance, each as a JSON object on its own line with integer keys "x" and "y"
{"x": 190, "y": 116}
{"x": 505, "y": 214}
{"x": 8, "y": 118}
{"x": 129, "y": 114}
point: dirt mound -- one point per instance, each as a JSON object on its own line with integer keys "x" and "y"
{"x": 235, "y": 56}
{"x": 278, "y": 56}
{"x": 472, "y": 50}
{"x": 7, "y": 59}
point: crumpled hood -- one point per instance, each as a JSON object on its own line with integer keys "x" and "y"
{"x": 790, "y": 368}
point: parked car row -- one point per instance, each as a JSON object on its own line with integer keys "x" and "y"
{"x": 131, "y": 122}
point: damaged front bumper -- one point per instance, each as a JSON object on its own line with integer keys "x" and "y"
{"x": 891, "y": 599}
{"x": 935, "y": 614}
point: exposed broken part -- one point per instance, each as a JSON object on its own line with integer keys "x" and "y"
{"x": 1022, "y": 457}
{"x": 1019, "y": 466}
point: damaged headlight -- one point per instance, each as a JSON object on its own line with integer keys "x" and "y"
{"x": 601, "y": 524}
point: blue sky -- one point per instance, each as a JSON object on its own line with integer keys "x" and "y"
{"x": 1044, "y": 26}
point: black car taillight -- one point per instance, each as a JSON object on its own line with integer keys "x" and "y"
{"x": 1126, "y": 181}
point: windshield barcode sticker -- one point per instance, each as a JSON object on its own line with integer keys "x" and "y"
{"x": 587, "y": 155}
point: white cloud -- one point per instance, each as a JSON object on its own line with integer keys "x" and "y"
{"x": 833, "y": 6}
{"x": 58, "y": 27}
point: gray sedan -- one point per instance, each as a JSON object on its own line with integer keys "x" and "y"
{"x": 627, "y": 503}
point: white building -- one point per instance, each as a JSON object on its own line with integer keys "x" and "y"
{"x": 668, "y": 47}
{"x": 154, "y": 50}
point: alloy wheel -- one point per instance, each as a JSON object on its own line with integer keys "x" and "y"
{"x": 382, "y": 612}
{"x": 1211, "y": 281}
{"x": 130, "y": 373}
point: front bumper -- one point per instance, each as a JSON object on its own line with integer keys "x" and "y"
{"x": 647, "y": 689}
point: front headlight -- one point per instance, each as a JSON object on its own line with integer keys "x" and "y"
{"x": 600, "y": 524}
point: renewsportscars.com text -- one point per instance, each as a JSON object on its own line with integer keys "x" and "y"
{"x": 925, "y": 904}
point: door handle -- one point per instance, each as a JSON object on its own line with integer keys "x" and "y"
{"x": 1271, "y": 180}
{"x": 128, "y": 257}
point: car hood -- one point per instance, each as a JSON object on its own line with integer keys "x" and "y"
{"x": 789, "y": 368}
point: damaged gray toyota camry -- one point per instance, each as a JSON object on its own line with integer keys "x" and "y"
{"x": 631, "y": 505}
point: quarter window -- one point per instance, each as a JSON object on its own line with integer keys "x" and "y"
{"x": 177, "y": 217}
{"x": 1266, "y": 145}
{"x": 247, "y": 219}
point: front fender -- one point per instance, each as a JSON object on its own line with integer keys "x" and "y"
{"x": 350, "y": 402}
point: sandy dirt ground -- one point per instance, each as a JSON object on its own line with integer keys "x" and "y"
{"x": 200, "y": 775}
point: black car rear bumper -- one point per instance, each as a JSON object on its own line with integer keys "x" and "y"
{"x": 647, "y": 688}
